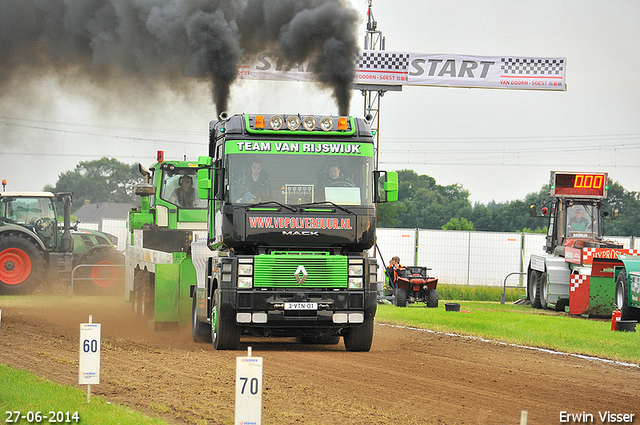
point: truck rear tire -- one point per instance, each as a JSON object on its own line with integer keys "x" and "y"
{"x": 533, "y": 288}
{"x": 360, "y": 338}
{"x": 401, "y": 297}
{"x": 142, "y": 297}
{"x": 622, "y": 298}
{"x": 201, "y": 332}
{"x": 225, "y": 333}
{"x": 22, "y": 265}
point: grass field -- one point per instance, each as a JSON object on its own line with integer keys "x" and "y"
{"x": 521, "y": 325}
{"x": 33, "y": 397}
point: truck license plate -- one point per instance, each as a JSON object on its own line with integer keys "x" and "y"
{"x": 300, "y": 306}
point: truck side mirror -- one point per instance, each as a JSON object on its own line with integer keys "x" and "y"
{"x": 204, "y": 183}
{"x": 385, "y": 186}
{"x": 204, "y": 177}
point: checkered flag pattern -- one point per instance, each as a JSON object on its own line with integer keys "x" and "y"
{"x": 524, "y": 66}
{"x": 576, "y": 280}
{"x": 383, "y": 61}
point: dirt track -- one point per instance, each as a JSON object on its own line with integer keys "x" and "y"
{"x": 409, "y": 376}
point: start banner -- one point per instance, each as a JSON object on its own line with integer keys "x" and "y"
{"x": 418, "y": 69}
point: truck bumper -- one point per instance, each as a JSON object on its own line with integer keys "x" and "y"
{"x": 295, "y": 313}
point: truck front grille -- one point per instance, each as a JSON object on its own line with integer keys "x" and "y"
{"x": 279, "y": 269}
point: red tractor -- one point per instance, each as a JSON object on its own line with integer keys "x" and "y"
{"x": 415, "y": 286}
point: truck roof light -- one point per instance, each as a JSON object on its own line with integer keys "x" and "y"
{"x": 276, "y": 122}
{"x": 259, "y": 123}
{"x": 342, "y": 123}
{"x": 326, "y": 123}
{"x": 160, "y": 156}
{"x": 293, "y": 122}
{"x": 309, "y": 123}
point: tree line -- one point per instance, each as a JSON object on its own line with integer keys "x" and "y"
{"x": 422, "y": 203}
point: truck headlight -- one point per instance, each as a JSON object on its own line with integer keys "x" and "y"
{"x": 355, "y": 283}
{"x": 245, "y": 269}
{"x": 356, "y": 269}
{"x": 245, "y": 282}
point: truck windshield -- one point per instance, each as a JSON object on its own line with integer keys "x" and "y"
{"x": 299, "y": 179}
{"x": 178, "y": 188}
{"x": 583, "y": 220}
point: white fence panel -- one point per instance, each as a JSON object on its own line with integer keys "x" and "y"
{"x": 492, "y": 256}
{"x": 392, "y": 242}
{"x": 624, "y": 240}
{"x": 446, "y": 253}
{"x": 400, "y": 242}
{"x": 117, "y": 228}
{"x": 88, "y": 226}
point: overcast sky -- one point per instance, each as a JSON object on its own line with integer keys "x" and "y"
{"x": 498, "y": 144}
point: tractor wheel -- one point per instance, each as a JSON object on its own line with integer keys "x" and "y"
{"x": 103, "y": 271}
{"x": 432, "y": 298}
{"x": 533, "y": 288}
{"x": 22, "y": 265}
{"x": 201, "y": 332}
{"x": 360, "y": 338}
{"x": 543, "y": 289}
{"x": 622, "y": 298}
{"x": 401, "y": 297}
{"x": 60, "y": 288}
{"x": 225, "y": 333}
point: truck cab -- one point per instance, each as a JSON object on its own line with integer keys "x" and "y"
{"x": 291, "y": 217}
{"x": 159, "y": 272}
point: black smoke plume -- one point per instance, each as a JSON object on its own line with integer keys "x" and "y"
{"x": 155, "y": 41}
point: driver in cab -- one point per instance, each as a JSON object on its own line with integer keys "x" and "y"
{"x": 579, "y": 223}
{"x": 335, "y": 178}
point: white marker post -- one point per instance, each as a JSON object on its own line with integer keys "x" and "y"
{"x": 248, "y": 390}
{"x": 89, "y": 370}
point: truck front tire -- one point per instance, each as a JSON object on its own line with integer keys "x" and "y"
{"x": 225, "y": 333}
{"x": 533, "y": 288}
{"x": 543, "y": 289}
{"x": 360, "y": 338}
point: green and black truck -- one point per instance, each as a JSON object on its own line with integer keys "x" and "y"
{"x": 291, "y": 217}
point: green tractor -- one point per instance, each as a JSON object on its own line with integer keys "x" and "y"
{"x": 39, "y": 250}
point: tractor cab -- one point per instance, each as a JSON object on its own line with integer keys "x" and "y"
{"x": 575, "y": 212}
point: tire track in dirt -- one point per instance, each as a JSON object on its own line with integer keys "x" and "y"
{"x": 409, "y": 376}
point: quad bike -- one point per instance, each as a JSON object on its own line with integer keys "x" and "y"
{"x": 416, "y": 286}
